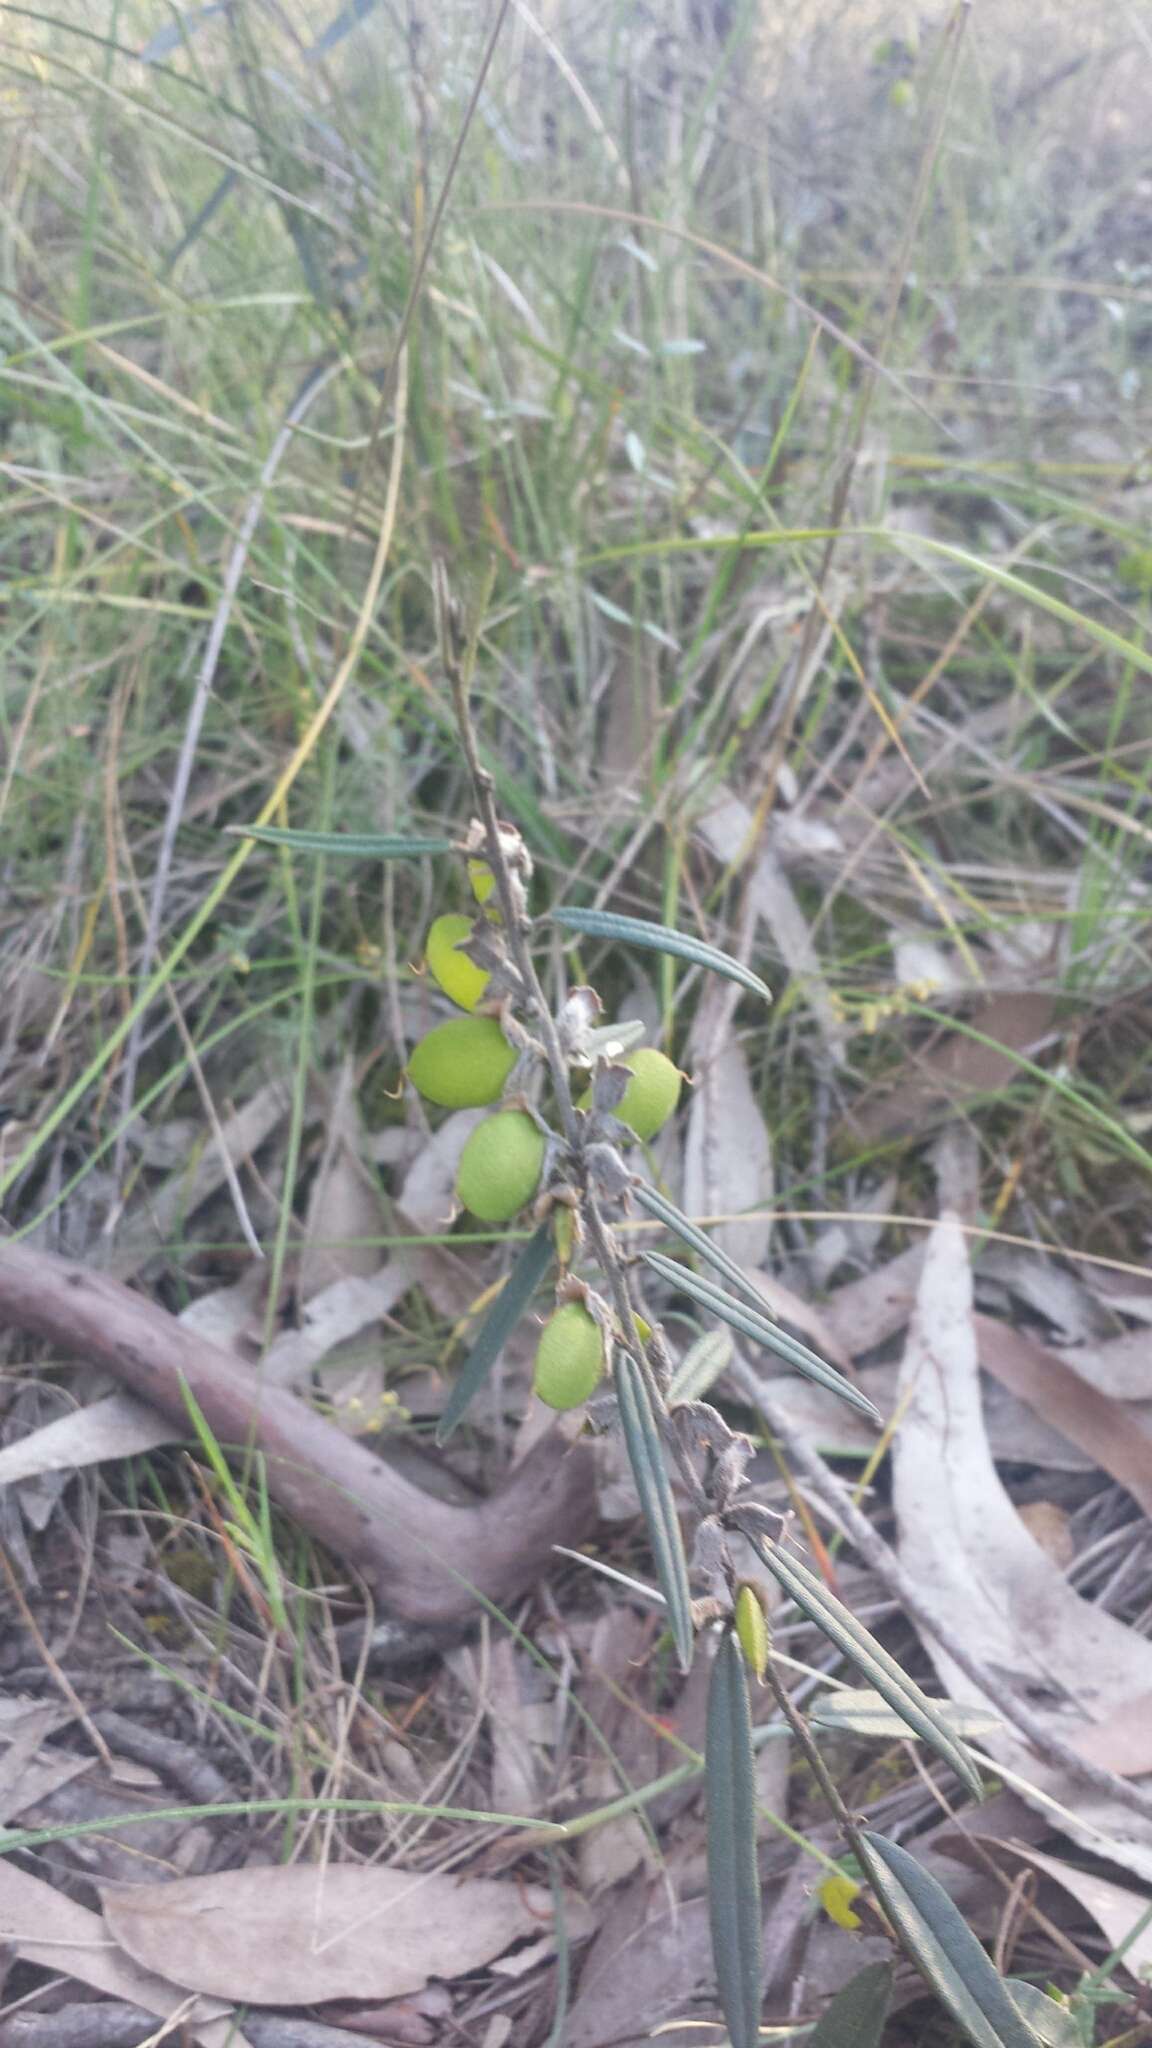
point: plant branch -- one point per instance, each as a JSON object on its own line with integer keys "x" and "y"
{"x": 459, "y": 655}
{"x": 426, "y": 1560}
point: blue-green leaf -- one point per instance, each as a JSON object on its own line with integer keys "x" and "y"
{"x": 862, "y": 1712}
{"x": 882, "y": 1671}
{"x": 646, "y": 1457}
{"x": 733, "y": 1878}
{"x": 757, "y": 1327}
{"x": 702, "y": 1363}
{"x": 947, "y": 1951}
{"x": 497, "y": 1327}
{"x": 658, "y": 938}
{"x": 659, "y": 1206}
{"x": 354, "y": 845}
{"x": 856, "y": 2016}
{"x": 1053, "y": 2024}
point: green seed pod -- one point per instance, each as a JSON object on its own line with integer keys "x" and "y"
{"x": 482, "y": 879}
{"x": 752, "y": 1628}
{"x": 651, "y": 1094}
{"x": 458, "y": 976}
{"x": 462, "y": 1064}
{"x": 499, "y": 1168}
{"x": 569, "y": 1357}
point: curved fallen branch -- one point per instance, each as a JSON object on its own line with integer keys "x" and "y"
{"x": 425, "y": 1559}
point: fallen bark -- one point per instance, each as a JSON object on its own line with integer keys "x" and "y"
{"x": 108, "y": 2024}
{"x": 427, "y": 1561}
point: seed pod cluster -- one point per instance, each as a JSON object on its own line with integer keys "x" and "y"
{"x": 465, "y": 1063}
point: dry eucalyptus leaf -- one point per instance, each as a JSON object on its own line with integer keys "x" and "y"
{"x": 117, "y": 1426}
{"x": 30, "y": 1771}
{"x": 428, "y": 1195}
{"x": 344, "y": 1206}
{"x": 1122, "y": 1742}
{"x": 1109, "y": 1431}
{"x": 727, "y": 828}
{"x": 727, "y": 1151}
{"x": 1122, "y": 1367}
{"x": 951, "y": 1066}
{"x": 866, "y": 1312}
{"x": 331, "y": 1318}
{"x": 49, "y": 1929}
{"x": 157, "y": 1215}
{"x": 1049, "y": 1526}
{"x": 975, "y": 1565}
{"x": 1114, "y": 1909}
{"x": 651, "y": 1959}
{"x": 1016, "y": 1436}
{"x": 1049, "y": 1290}
{"x": 296, "y": 1934}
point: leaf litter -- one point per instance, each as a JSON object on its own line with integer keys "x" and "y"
{"x": 298, "y": 1934}
{"x": 965, "y": 1548}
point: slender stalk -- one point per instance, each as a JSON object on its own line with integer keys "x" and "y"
{"x": 458, "y": 653}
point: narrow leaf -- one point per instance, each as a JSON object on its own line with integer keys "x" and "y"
{"x": 856, "y": 2016}
{"x": 862, "y": 1712}
{"x": 882, "y": 1671}
{"x": 658, "y": 1205}
{"x": 702, "y": 1363}
{"x": 497, "y": 1327}
{"x": 761, "y": 1331}
{"x": 1053, "y": 2024}
{"x": 659, "y": 938}
{"x": 936, "y": 1933}
{"x": 646, "y": 1457}
{"x": 357, "y": 845}
{"x": 733, "y": 1878}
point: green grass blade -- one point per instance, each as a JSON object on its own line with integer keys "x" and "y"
{"x": 658, "y": 938}
{"x": 761, "y": 1331}
{"x": 842, "y": 1628}
{"x": 356, "y": 845}
{"x": 646, "y": 1457}
{"x": 856, "y": 2016}
{"x": 226, "y": 1809}
{"x": 945, "y": 1947}
{"x": 497, "y": 1327}
{"x": 733, "y": 1878}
